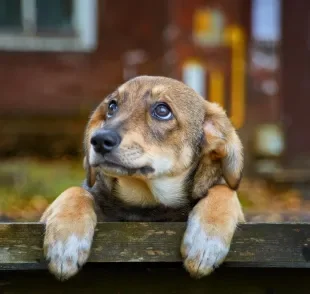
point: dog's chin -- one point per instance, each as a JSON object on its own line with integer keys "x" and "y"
{"x": 117, "y": 169}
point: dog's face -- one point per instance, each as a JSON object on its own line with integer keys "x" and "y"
{"x": 153, "y": 127}
{"x": 149, "y": 127}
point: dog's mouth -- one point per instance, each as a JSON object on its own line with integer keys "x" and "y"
{"x": 112, "y": 167}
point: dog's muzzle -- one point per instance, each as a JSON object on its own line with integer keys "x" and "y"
{"x": 104, "y": 141}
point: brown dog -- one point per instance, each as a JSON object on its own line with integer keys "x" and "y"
{"x": 154, "y": 151}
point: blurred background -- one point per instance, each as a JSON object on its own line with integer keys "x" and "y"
{"x": 59, "y": 58}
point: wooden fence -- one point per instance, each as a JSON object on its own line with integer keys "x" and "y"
{"x": 145, "y": 258}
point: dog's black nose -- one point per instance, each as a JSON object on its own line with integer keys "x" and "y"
{"x": 105, "y": 140}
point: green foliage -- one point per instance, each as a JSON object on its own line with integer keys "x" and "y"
{"x": 34, "y": 183}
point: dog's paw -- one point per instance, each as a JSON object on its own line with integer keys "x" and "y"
{"x": 202, "y": 249}
{"x": 67, "y": 246}
{"x": 67, "y": 249}
{"x": 70, "y": 224}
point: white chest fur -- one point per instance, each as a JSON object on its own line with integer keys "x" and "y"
{"x": 169, "y": 190}
{"x": 165, "y": 190}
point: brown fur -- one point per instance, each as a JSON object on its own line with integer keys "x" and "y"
{"x": 167, "y": 165}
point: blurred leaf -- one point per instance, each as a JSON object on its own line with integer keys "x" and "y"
{"x": 28, "y": 186}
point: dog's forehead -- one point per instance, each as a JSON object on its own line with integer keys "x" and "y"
{"x": 152, "y": 86}
{"x": 139, "y": 88}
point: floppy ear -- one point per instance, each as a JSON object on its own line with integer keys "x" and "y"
{"x": 223, "y": 144}
{"x": 90, "y": 172}
{"x": 95, "y": 121}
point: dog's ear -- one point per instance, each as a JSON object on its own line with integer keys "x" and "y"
{"x": 222, "y": 143}
{"x": 90, "y": 172}
{"x": 96, "y": 120}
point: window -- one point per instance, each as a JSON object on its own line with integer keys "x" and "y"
{"x": 266, "y": 23}
{"x": 48, "y": 25}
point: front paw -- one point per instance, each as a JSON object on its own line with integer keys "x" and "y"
{"x": 70, "y": 225}
{"x": 203, "y": 248}
{"x": 67, "y": 247}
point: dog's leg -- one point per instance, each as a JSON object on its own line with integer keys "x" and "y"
{"x": 70, "y": 224}
{"x": 210, "y": 228}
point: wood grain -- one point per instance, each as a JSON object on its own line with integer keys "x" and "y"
{"x": 254, "y": 245}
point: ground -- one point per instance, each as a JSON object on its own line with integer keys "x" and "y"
{"x": 27, "y": 186}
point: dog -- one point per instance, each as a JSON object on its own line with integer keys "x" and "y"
{"x": 154, "y": 151}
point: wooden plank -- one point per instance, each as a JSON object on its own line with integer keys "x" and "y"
{"x": 254, "y": 245}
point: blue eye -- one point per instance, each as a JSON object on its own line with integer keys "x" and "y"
{"x": 162, "y": 111}
{"x": 112, "y": 108}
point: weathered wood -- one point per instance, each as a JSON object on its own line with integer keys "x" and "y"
{"x": 144, "y": 258}
{"x": 254, "y": 245}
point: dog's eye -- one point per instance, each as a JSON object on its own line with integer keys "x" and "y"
{"x": 162, "y": 111}
{"x": 112, "y": 108}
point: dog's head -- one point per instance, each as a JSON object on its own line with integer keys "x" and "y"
{"x": 153, "y": 127}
